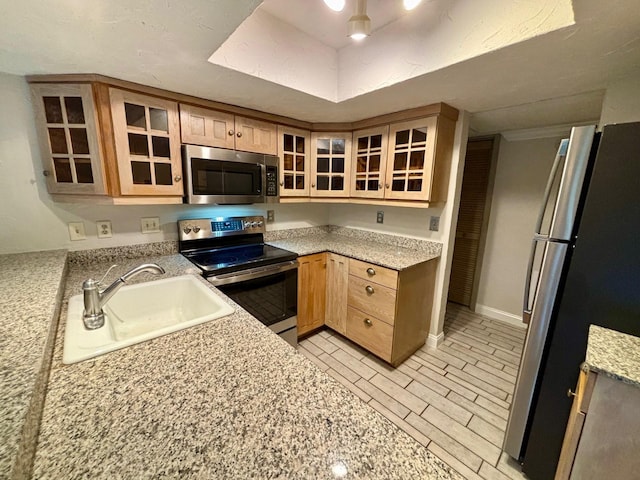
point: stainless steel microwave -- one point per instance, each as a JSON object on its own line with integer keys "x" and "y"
{"x": 228, "y": 177}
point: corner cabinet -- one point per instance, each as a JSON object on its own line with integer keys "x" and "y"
{"x": 330, "y": 164}
{"x": 294, "y": 153}
{"x": 69, "y": 138}
{"x": 369, "y": 162}
{"x": 146, "y": 132}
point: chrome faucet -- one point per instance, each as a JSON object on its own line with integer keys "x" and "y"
{"x": 94, "y": 299}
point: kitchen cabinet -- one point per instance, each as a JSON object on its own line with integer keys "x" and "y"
{"x": 369, "y": 162}
{"x": 330, "y": 164}
{"x": 146, "y": 133}
{"x": 211, "y": 128}
{"x": 601, "y": 439}
{"x": 67, "y": 124}
{"x": 295, "y": 162}
{"x": 419, "y": 159}
{"x": 389, "y": 312}
{"x": 337, "y": 285}
{"x": 312, "y": 286}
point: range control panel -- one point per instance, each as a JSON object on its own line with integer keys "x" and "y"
{"x": 201, "y": 228}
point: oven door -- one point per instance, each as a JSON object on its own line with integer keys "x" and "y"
{"x": 268, "y": 293}
{"x": 219, "y": 176}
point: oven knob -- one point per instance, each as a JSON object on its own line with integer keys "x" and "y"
{"x": 259, "y": 224}
{"x": 254, "y": 224}
{"x": 196, "y": 229}
{"x": 186, "y": 230}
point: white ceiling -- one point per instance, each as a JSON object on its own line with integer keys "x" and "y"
{"x": 551, "y": 78}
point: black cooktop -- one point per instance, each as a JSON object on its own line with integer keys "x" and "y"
{"x": 216, "y": 261}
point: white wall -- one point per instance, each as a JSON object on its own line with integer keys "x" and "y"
{"x": 521, "y": 175}
{"x": 30, "y": 221}
{"x": 621, "y": 102}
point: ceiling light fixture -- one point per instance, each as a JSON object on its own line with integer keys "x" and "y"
{"x": 360, "y": 23}
{"x": 335, "y": 5}
{"x": 410, "y": 4}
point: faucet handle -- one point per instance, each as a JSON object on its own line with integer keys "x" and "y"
{"x": 100, "y": 284}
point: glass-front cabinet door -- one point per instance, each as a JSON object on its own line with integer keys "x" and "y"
{"x": 69, "y": 138}
{"x": 410, "y": 161}
{"x": 369, "y": 162}
{"x": 147, "y": 138}
{"x": 330, "y": 164}
{"x": 294, "y": 153}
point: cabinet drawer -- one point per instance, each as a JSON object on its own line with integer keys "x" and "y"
{"x": 374, "y": 273}
{"x": 370, "y": 332}
{"x": 372, "y": 298}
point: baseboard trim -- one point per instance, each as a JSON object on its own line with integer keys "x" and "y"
{"x": 434, "y": 340}
{"x": 500, "y": 315}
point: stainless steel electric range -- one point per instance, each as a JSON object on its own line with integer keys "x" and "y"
{"x": 232, "y": 255}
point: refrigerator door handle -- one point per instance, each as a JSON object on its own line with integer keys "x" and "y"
{"x": 526, "y": 310}
{"x": 562, "y": 152}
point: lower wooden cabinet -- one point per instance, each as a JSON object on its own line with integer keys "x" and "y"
{"x": 312, "y": 284}
{"x": 385, "y": 311}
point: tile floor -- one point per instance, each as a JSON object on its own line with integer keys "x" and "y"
{"x": 454, "y": 400}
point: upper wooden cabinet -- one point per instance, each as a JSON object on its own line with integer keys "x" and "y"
{"x": 146, "y": 132}
{"x": 211, "y": 128}
{"x": 67, "y": 127}
{"x": 330, "y": 164}
{"x": 295, "y": 161}
{"x": 369, "y": 162}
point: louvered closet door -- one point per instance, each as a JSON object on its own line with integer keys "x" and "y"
{"x": 470, "y": 219}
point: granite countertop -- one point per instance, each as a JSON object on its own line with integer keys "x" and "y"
{"x": 370, "y": 250}
{"x": 225, "y": 399}
{"x": 614, "y": 354}
{"x": 29, "y": 287}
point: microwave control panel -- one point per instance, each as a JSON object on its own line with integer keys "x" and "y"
{"x": 272, "y": 181}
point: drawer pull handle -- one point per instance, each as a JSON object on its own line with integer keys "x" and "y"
{"x": 369, "y": 289}
{"x": 368, "y": 322}
{"x": 371, "y": 272}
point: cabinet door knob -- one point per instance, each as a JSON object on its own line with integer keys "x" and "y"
{"x": 313, "y": 185}
{"x": 369, "y": 289}
{"x": 177, "y": 178}
{"x": 570, "y": 393}
{"x": 231, "y": 132}
{"x": 282, "y": 184}
{"x": 239, "y": 134}
{"x": 371, "y": 272}
{"x": 368, "y": 322}
{"x": 379, "y": 186}
{"x": 386, "y": 185}
{"x": 46, "y": 173}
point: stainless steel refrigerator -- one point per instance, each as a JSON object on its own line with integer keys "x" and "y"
{"x": 584, "y": 269}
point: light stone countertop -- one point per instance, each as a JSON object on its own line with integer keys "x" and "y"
{"x": 225, "y": 399}
{"x": 614, "y": 354}
{"x": 366, "y": 249}
{"x": 31, "y": 285}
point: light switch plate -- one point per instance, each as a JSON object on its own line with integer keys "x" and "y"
{"x": 434, "y": 224}
{"x": 150, "y": 224}
{"x": 271, "y": 216}
{"x": 380, "y": 217}
{"x": 104, "y": 229}
{"x": 76, "y": 231}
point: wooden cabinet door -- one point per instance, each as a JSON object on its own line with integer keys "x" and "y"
{"x": 69, "y": 138}
{"x": 369, "y": 162}
{"x": 410, "y": 160}
{"x": 337, "y": 287}
{"x": 147, "y": 138}
{"x": 330, "y": 164}
{"x": 293, "y": 150}
{"x": 312, "y": 281}
{"x": 201, "y": 126}
{"x": 256, "y": 136}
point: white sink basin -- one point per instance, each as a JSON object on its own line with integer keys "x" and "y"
{"x": 140, "y": 312}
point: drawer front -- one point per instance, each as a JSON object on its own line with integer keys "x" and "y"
{"x": 370, "y": 332}
{"x": 374, "y": 273}
{"x": 372, "y": 298}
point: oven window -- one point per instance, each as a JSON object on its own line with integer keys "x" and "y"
{"x": 215, "y": 177}
{"x": 270, "y": 299}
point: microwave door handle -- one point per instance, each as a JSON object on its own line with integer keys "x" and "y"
{"x": 562, "y": 151}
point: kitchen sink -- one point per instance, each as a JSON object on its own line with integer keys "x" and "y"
{"x": 140, "y": 312}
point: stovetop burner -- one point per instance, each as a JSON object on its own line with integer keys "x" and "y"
{"x": 229, "y": 259}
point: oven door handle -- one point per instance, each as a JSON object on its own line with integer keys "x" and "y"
{"x": 251, "y": 274}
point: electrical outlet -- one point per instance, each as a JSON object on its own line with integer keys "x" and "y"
{"x": 380, "y": 217}
{"x": 76, "y": 231}
{"x": 271, "y": 216}
{"x": 104, "y": 229}
{"x": 434, "y": 224}
{"x": 150, "y": 224}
